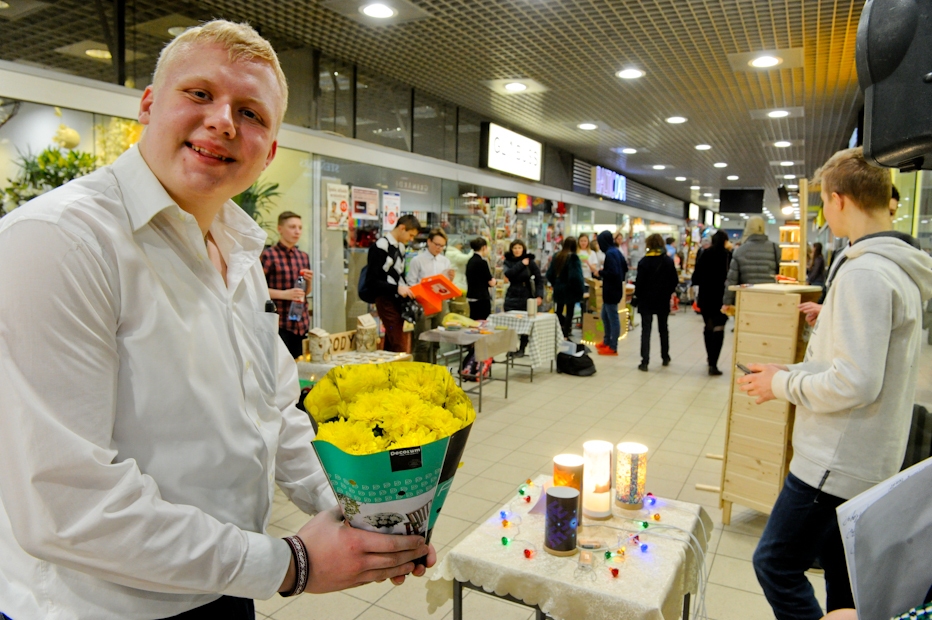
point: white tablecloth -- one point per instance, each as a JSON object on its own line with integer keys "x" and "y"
{"x": 546, "y": 334}
{"x": 650, "y": 585}
{"x": 312, "y": 371}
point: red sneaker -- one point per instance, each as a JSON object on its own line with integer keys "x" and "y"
{"x": 600, "y": 345}
{"x": 607, "y": 351}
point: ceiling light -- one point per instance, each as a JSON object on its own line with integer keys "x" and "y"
{"x": 720, "y": 164}
{"x": 676, "y": 120}
{"x": 176, "y": 30}
{"x": 630, "y": 74}
{"x": 778, "y": 114}
{"x": 98, "y": 53}
{"x": 629, "y": 151}
{"x": 789, "y": 176}
{"x": 782, "y": 144}
{"x": 792, "y": 187}
{"x": 378, "y": 11}
{"x": 659, "y": 167}
{"x": 4, "y": 5}
{"x": 787, "y": 210}
{"x": 786, "y": 163}
{"x": 703, "y": 147}
{"x": 716, "y": 200}
{"x": 707, "y": 195}
{"x": 763, "y": 62}
{"x": 587, "y": 126}
{"x": 680, "y": 178}
{"x": 694, "y": 187}
{"x": 515, "y": 87}
{"x": 733, "y": 177}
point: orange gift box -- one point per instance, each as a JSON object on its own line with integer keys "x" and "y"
{"x": 432, "y": 291}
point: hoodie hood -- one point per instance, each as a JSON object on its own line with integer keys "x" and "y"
{"x": 902, "y": 250}
{"x": 605, "y": 241}
{"x": 511, "y": 257}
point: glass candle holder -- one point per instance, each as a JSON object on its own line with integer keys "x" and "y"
{"x": 630, "y": 475}
{"x": 597, "y": 479}
{"x": 568, "y": 472}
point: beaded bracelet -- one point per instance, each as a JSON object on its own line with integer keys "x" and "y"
{"x": 301, "y": 564}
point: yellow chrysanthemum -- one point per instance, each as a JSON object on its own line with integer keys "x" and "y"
{"x": 416, "y": 437}
{"x": 368, "y": 407}
{"x": 352, "y": 437}
{"x": 352, "y": 381}
{"x": 323, "y": 401}
{"x": 428, "y": 381}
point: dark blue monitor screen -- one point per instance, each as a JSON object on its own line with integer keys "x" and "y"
{"x": 741, "y": 201}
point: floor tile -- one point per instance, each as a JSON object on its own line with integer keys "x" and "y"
{"x": 734, "y": 573}
{"x": 333, "y": 606}
{"x": 724, "y": 603}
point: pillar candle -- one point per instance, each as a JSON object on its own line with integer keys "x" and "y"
{"x": 568, "y": 472}
{"x": 561, "y": 521}
{"x": 597, "y": 479}
{"x": 630, "y": 475}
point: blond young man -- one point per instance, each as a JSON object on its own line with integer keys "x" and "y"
{"x": 853, "y": 392}
{"x": 148, "y": 403}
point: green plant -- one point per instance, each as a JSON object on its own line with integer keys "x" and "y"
{"x": 257, "y": 201}
{"x": 40, "y": 173}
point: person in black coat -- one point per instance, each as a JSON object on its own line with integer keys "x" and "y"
{"x": 656, "y": 281}
{"x": 478, "y": 280}
{"x": 524, "y": 280}
{"x": 709, "y": 275}
{"x": 566, "y": 276}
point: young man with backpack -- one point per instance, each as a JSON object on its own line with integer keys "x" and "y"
{"x": 614, "y": 271}
{"x": 853, "y": 392}
{"x": 384, "y": 280}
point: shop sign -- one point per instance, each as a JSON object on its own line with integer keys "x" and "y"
{"x": 608, "y": 183}
{"x": 391, "y": 210}
{"x": 365, "y": 203}
{"x": 342, "y": 342}
{"x": 507, "y": 151}
{"x": 693, "y": 212}
{"x": 338, "y": 206}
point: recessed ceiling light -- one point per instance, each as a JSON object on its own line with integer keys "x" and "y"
{"x": 789, "y": 176}
{"x": 782, "y": 144}
{"x": 787, "y": 210}
{"x": 720, "y": 164}
{"x": 716, "y": 200}
{"x": 587, "y": 126}
{"x": 733, "y": 177}
{"x": 763, "y": 62}
{"x": 778, "y": 114}
{"x": 786, "y": 163}
{"x": 707, "y": 195}
{"x": 680, "y": 178}
{"x": 378, "y": 11}
{"x": 694, "y": 187}
{"x": 4, "y": 5}
{"x": 630, "y": 74}
{"x": 629, "y": 151}
{"x": 176, "y": 30}
{"x": 703, "y": 147}
{"x": 676, "y": 120}
{"x": 98, "y": 53}
{"x": 659, "y": 167}
{"x": 792, "y": 187}
{"x": 515, "y": 87}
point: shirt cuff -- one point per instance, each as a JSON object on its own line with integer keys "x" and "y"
{"x": 779, "y": 383}
{"x": 260, "y": 577}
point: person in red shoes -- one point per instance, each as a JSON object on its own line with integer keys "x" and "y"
{"x": 614, "y": 271}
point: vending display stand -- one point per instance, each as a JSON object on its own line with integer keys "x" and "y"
{"x": 769, "y": 329}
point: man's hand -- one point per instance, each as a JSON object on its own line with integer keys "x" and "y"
{"x": 450, "y": 274}
{"x": 404, "y": 291}
{"x": 811, "y": 310}
{"x": 758, "y": 383}
{"x": 728, "y": 310}
{"x": 493, "y": 282}
{"x": 342, "y": 557}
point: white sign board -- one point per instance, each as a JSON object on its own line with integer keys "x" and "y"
{"x": 608, "y": 183}
{"x": 513, "y": 153}
{"x": 391, "y": 210}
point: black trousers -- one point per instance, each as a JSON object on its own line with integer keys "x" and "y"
{"x": 646, "y": 320}
{"x": 293, "y": 342}
{"x": 565, "y": 310}
{"x": 480, "y": 309}
{"x": 225, "y": 607}
{"x": 714, "y": 334}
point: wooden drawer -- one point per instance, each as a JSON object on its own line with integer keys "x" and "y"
{"x": 754, "y": 468}
{"x": 767, "y": 324}
{"x": 755, "y": 427}
{"x": 771, "y": 411}
{"x": 755, "y": 447}
{"x": 768, "y": 302}
{"x": 768, "y": 347}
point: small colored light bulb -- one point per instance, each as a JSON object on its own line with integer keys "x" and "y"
{"x": 527, "y": 499}
{"x": 529, "y": 482}
{"x": 644, "y": 525}
{"x": 522, "y": 490}
{"x": 528, "y": 553}
{"x": 614, "y": 573}
{"x": 608, "y": 555}
{"x": 505, "y": 541}
{"x": 503, "y": 514}
{"x": 644, "y": 548}
{"x": 506, "y": 523}
{"x": 657, "y": 517}
{"x": 651, "y": 500}
{"x": 621, "y": 551}
{"x": 635, "y": 540}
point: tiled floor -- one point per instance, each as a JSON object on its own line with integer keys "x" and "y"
{"x": 677, "y": 411}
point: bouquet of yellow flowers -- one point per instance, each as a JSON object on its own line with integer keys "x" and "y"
{"x": 390, "y": 438}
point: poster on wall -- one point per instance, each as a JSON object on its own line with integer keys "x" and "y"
{"x": 391, "y": 210}
{"x": 365, "y": 203}
{"x": 524, "y": 203}
{"x": 338, "y": 209}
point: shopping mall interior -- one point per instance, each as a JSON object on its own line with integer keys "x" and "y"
{"x": 637, "y": 117}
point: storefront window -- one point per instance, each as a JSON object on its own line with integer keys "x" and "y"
{"x": 383, "y": 111}
{"x": 470, "y": 126}
{"x": 905, "y": 183}
{"x": 434, "y": 127}
{"x": 335, "y": 106}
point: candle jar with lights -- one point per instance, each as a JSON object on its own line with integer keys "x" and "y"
{"x": 597, "y": 479}
{"x": 630, "y": 475}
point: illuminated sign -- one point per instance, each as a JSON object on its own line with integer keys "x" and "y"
{"x": 510, "y": 152}
{"x": 694, "y": 211}
{"x": 608, "y": 183}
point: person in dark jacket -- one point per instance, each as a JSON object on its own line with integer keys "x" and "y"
{"x": 478, "y": 280}
{"x": 656, "y": 281}
{"x": 756, "y": 261}
{"x": 565, "y": 274}
{"x": 524, "y": 280}
{"x": 614, "y": 271}
{"x": 816, "y": 275}
{"x": 385, "y": 279}
{"x": 709, "y": 276}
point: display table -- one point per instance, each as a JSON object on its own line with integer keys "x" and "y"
{"x": 543, "y": 332}
{"x": 311, "y": 371}
{"x": 486, "y": 346}
{"x": 769, "y": 329}
{"x": 651, "y": 585}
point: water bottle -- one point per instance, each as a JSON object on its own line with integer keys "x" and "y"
{"x": 296, "y": 310}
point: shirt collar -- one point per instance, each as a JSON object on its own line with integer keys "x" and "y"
{"x": 392, "y": 240}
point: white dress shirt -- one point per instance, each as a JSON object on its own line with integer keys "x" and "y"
{"x": 147, "y": 407}
{"x": 425, "y": 265}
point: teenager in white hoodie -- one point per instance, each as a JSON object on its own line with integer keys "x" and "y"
{"x": 853, "y": 392}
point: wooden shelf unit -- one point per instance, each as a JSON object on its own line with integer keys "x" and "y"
{"x": 768, "y": 329}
